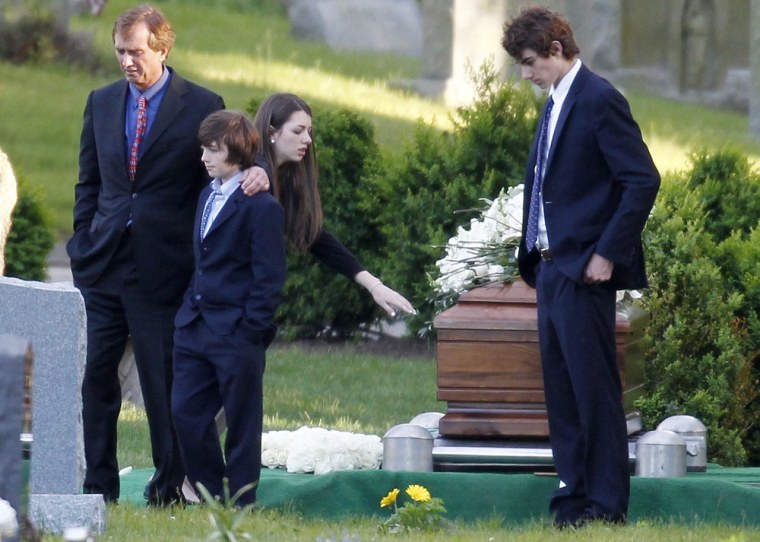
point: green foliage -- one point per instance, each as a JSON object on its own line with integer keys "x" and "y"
{"x": 703, "y": 306}
{"x": 417, "y": 197}
{"x": 422, "y": 513}
{"x": 30, "y": 238}
{"x": 37, "y": 34}
{"x": 227, "y": 518}
{"x": 316, "y": 300}
{"x": 723, "y": 181}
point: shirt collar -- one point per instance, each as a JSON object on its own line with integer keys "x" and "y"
{"x": 559, "y": 92}
{"x": 154, "y": 89}
{"x": 228, "y": 187}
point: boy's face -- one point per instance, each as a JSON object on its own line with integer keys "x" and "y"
{"x": 543, "y": 71}
{"x": 214, "y": 157}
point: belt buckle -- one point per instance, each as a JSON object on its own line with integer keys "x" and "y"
{"x": 546, "y": 254}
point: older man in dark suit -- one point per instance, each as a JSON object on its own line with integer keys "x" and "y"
{"x": 590, "y": 185}
{"x": 131, "y": 253}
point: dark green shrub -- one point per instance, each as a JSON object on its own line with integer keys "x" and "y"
{"x": 730, "y": 199}
{"x": 703, "y": 333}
{"x": 36, "y": 35}
{"x": 417, "y": 198}
{"x": 316, "y": 300}
{"x": 30, "y": 238}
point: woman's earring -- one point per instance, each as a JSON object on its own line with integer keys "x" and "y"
{"x": 272, "y": 141}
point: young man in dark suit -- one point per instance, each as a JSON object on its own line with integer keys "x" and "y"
{"x": 226, "y": 320}
{"x": 131, "y": 252}
{"x": 590, "y": 184}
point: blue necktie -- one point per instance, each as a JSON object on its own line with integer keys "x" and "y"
{"x": 207, "y": 211}
{"x": 531, "y": 235}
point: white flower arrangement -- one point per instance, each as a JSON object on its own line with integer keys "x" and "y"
{"x": 320, "y": 450}
{"x": 483, "y": 254}
{"x": 487, "y": 252}
{"x": 8, "y": 520}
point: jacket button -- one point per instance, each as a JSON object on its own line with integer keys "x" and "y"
{"x": 198, "y": 297}
{"x": 134, "y": 196}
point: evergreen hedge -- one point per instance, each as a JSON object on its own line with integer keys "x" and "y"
{"x": 31, "y": 236}
{"x": 703, "y": 251}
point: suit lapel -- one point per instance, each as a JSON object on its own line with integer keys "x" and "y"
{"x": 230, "y": 208}
{"x": 197, "y": 224}
{"x": 567, "y": 106}
{"x": 172, "y": 104}
{"x": 114, "y": 107}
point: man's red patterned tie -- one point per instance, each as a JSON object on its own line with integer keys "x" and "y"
{"x": 142, "y": 122}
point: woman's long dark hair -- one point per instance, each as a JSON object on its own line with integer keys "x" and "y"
{"x": 295, "y": 184}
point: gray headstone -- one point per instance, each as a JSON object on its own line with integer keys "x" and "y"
{"x": 754, "y": 101}
{"x": 386, "y": 26}
{"x": 52, "y": 317}
{"x": 56, "y": 513}
{"x": 438, "y": 27}
{"x": 15, "y": 352}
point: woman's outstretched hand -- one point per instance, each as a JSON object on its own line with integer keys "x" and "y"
{"x": 390, "y": 300}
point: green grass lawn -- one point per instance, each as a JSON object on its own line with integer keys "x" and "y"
{"x": 346, "y": 389}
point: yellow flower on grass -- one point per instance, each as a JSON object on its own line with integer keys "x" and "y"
{"x": 418, "y": 493}
{"x": 389, "y": 499}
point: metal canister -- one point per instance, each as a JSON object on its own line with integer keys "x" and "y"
{"x": 660, "y": 454}
{"x": 694, "y": 433}
{"x": 408, "y": 447}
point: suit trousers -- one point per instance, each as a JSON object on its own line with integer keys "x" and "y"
{"x": 212, "y": 371}
{"x": 117, "y": 309}
{"x": 587, "y": 428}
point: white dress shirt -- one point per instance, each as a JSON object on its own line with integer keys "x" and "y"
{"x": 558, "y": 94}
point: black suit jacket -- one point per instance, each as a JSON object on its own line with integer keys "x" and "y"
{"x": 599, "y": 186}
{"x": 239, "y": 266}
{"x": 161, "y": 201}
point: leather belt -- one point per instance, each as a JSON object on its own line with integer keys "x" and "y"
{"x": 546, "y": 254}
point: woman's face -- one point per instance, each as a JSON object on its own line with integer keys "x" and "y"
{"x": 292, "y": 140}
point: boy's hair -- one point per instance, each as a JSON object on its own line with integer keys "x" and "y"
{"x": 234, "y": 130}
{"x": 536, "y": 28}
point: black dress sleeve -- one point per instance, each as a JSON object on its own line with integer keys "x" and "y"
{"x": 334, "y": 254}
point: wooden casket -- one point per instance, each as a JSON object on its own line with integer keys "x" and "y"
{"x": 489, "y": 367}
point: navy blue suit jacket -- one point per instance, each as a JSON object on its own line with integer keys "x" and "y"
{"x": 599, "y": 186}
{"x": 239, "y": 266}
{"x": 160, "y": 202}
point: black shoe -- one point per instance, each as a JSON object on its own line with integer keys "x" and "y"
{"x": 169, "y": 500}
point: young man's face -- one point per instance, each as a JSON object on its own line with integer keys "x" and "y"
{"x": 140, "y": 64}
{"x": 214, "y": 157}
{"x": 293, "y": 139}
{"x": 542, "y": 71}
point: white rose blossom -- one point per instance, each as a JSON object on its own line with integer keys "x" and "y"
{"x": 320, "y": 450}
{"x": 8, "y": 520}
{"x": 484, "y": 253}
{"x": 487, "y": 252}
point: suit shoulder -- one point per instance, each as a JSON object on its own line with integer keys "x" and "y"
{"x": 110, "y": 89}
{"x": 263, "y": 200}
{"x": 193, "y": 88}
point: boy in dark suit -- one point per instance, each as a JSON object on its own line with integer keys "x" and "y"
{"x": 590, "y": 185}
{"x": 225, "y": 322}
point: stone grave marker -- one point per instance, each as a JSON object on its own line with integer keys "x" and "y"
{"x": 52, "y": 318}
